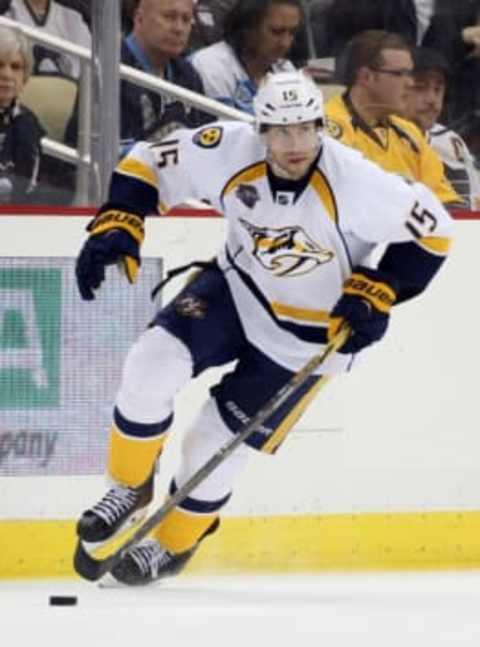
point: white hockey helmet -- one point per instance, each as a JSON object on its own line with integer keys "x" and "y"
{"x": 287, "y": 98}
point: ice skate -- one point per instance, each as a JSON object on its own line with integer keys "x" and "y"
{"x": 148, "y": 561}
{"x": 120, "y": 508}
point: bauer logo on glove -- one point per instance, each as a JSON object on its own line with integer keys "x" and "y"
{"x": 365, "y": 305}
{"x": 115, "y": 238}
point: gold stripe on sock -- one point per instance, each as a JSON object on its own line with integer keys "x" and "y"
{"x": 131, "y": 460}
{"x": 180, "y": 530}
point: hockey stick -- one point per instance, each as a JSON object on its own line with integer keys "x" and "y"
{"x": 93, "y": 569}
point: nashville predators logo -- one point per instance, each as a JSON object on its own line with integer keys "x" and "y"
{"x": 333, "y": 128}
{"x": 288, "y": 251}
{"x": 208, "y": 137}
{"x": 189, "y": 305}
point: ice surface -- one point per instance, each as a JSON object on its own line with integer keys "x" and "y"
{"x": 325, "y": 610}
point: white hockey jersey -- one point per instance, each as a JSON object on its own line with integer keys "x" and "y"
{"x": 459, "y": 163}
{"x": 285, "y": 259}
{"x": 59, "y": 21}
{"x": 224, "y": 77}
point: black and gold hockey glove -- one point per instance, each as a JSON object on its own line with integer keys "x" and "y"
{"x": 115, "y": 237}
{"x": 365, "y": 304}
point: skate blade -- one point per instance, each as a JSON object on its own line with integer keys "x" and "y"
{"x": 108, "y": 582}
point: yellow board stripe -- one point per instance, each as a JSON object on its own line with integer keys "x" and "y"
{"x": 135, "y": 168}
{"x": 320, "y": 183}
{"x": 303, "y": 543}
{"x": 437, "y": 245}
{"x": 302, "y": 314}
{"x": 250, "y": 174}
{"x": 282, "y": 430}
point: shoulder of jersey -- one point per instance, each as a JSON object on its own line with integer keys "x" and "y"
{"x": 336, "y": 117}
{"x": 223, "y": 133}
{"x": 439, "y": 129}
{"x": 337, "y": 155}
{"x": 409, "y": 127}
{"x": 283, "y": 65}
{"x": 441, "y": 132}
{"x": 215, "y": 55}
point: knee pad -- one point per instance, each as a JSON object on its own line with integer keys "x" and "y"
{"x": 157, "y": 366}
{"x": 201, "y": 442}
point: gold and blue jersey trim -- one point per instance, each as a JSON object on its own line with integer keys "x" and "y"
{"x": 249, "y": 174}
{"x": 435, "y": 245}
{"x": 324, "y": 191}
{"x": 134, "y": 168}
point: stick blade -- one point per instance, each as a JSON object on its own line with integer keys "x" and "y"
{"x": 87, "y": 566}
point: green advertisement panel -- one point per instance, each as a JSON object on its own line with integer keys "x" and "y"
{"x": 61, "y": 360}
{"x": 30, "y": 320}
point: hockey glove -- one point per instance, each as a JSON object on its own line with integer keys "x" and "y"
{"x": 115, "y": 237}
{"x": 365, "y": 305}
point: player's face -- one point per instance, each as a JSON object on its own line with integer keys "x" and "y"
{"x": 273, "y": 38}
{"x": 12, "y": 77}
{"x": 293, "y": 148}
{"x": 425, "y": 99}
{"x": 389, "y": 82}
{"x": 164, "y": 26}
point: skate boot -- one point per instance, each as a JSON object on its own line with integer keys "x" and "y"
{"x": 119, "y": 508}
{"x": 148, "y": 561}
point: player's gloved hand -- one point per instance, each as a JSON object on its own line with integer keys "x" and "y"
{"x": 115, "y": 237}
{"x": 365, "y": 305}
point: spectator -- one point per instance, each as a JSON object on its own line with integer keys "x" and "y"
{"x": 258, "y": 35}
{"x": 424, "y": 106}
{"x": 451, "y": 28}
{"x": 161, "y": 29}
{"x": 377, "y": 71}
{"x": 20, "y": 130}
{"x": 57, "y": 20}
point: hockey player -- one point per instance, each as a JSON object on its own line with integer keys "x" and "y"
{"x": 304, "y": 213}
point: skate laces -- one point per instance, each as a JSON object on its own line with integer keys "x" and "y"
{"x": 149, "y": 556}
{"x": 115, "y": 503}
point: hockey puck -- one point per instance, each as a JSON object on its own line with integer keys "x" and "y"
{"x": 63, "y": 600}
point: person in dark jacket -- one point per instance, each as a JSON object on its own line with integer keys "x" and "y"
{"x": 161, "y": 29}
{"x": 20, "y": 130}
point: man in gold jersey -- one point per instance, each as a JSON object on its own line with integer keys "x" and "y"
{"x": 377, "y": 68}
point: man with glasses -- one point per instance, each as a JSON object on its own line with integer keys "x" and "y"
{"x": 377, "y": 68}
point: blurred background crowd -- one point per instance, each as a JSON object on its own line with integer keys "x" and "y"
{"x": 401, "y": 80}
